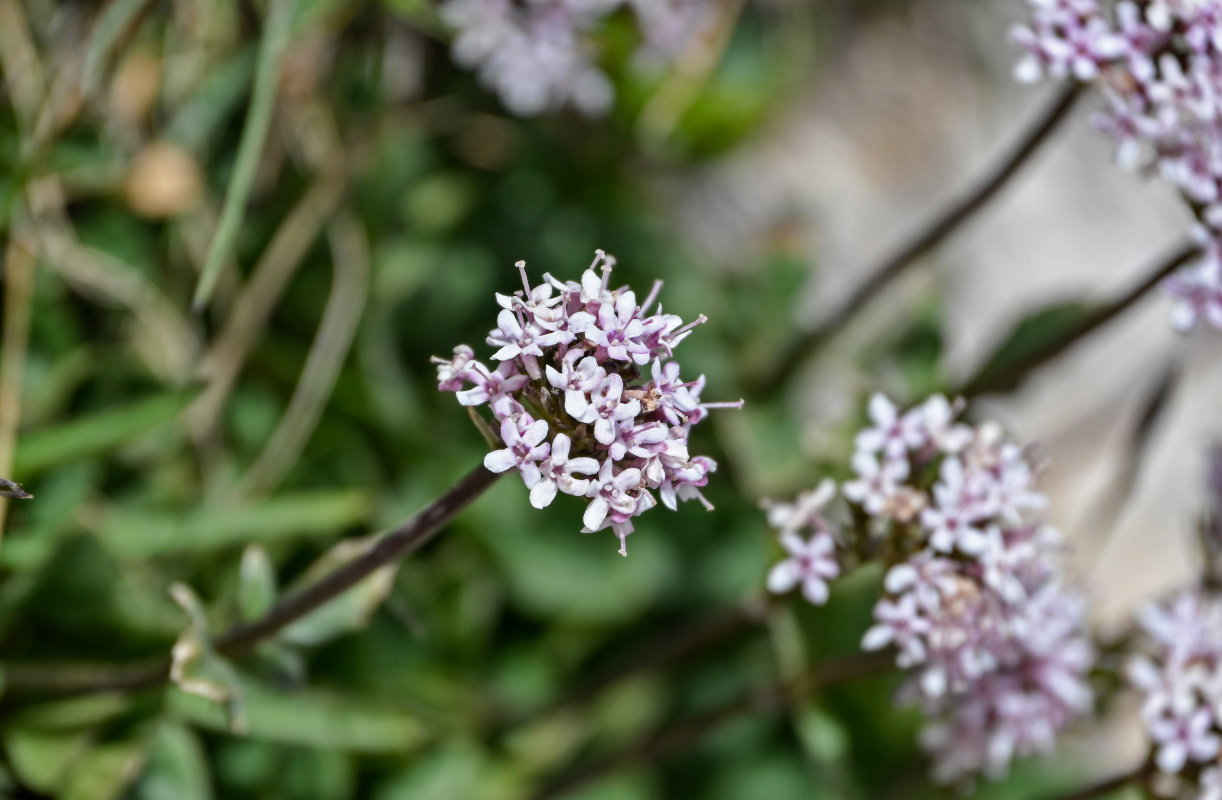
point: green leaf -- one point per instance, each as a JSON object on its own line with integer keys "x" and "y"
{"x": 96, "y": 433}
{"x": 256, "y": 583}
{"x": 276, "y": 30}
{"x": 104, "y": 772}
{"x": 1033, "y": 340}
{"x": 131, "y": 533}
{"x": 311, "y": 718}
{"x": 40, "y": 757}
{"x": 177, "y": 767}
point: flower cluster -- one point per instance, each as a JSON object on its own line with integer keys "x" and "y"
{"x": 538, "y": 55}
{"x": 974, "y": 604}
{"x": 1179, "y": 677}
{"x": 1158, "y": 64}
{"x": 587, "y": 398}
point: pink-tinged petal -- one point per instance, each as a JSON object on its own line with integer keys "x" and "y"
{"x": 507, "y": 352}
{"x": 509, "y": 432}
{"x": 530, "y": 473}
{"x": 783, "y": 576}
{"x": 604, "y": 431}
{"x": 627, "y": 410}
{"x": 881, "y": 410}
{"x": 579, "y": 322}
{"x": 793, "y": 543}
{"x": 597, "y": 335}
{"x": 500, "y": 460}
{"x": 536, "y": 433}
{"x": 625, "y": 304}
{"x": 473, "y": 397}
{"x": 877, "y": 638}
{"x": 555, "y": 377}
{"x": 543, "y": 493}
{"x": 577, "y": 405}
{"x": 1171, "y": 757}
{"x": 511, "y": 385}
{"x": 560, "y": 448}
{"x": 591, "y": 284}
{"x": 584, "y": 465}
{"x": 815, "y": 591}
{"x": 596, "y": 513}
{"x": 628, "y": 479}
{"x": 623, "y": 505}
{"x": 574, "y": 486}
{"x": 667, "y": 492}
{"x": 900, "y": 578}
{"x": 539, "y": 452}
{"x": 973, "y": 542}
{"x": 507, "y": 321}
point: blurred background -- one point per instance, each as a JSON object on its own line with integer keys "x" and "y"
{"x": 761, "y": 172}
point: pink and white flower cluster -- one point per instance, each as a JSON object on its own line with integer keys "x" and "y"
{"x": 974, "y": 605}
{"x": 1158, "y": 64}
{"x": 539, "y": 55}
{"x": 587, "y": 398}
{"x": 1179, "y": 677}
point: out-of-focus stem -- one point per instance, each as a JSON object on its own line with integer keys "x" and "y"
{"x": 993, "y": 381}
{"x": 943, "y": 224}
{"x": 85, "y": 679}
{"x": 18, "y": 292}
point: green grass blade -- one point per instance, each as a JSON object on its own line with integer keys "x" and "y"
{"x": 96, "y": 433}
{"x": 144, "y": 534}
{"x": 254, "y": 134}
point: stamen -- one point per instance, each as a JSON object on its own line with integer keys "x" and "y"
{"x": 521, "y": 265}
{"x": 653, "y": 295}
{"x": 700, "y": 320}
{"x": 735, "y": 404}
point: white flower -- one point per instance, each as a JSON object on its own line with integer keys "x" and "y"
{"x": 811, "y": 564}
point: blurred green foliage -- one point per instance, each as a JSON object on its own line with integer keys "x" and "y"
{"x": 385, "y": 170}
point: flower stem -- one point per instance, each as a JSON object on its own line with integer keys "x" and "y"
{"x": 946, "y": 222}
{"x": 86, "y": 679}
{"x": 990, "y": 379}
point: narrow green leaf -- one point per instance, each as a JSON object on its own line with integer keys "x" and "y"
{"x": 311, "y": 718}
{"x": 1034, "y": 338}
{"x": 254, "y": 134}
{"x": 105, "y": 772}
{"x": 39, "y": 758}
{"x": 194, "y": 124}
{"x": 177, "y": 767}
{"x": 256, "y": 583}
{"x": 111, "y": 25}
{"x": 141, "y": 534}
{"x": 95, "y": 433}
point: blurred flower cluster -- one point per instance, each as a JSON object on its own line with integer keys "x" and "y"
{"x": 1179, "y": 677}
{"x": 975, "y": 604}
{"x": 587, "y": 399}
{"x": 1158, "y": 64}
{"x": 539, "y": 55}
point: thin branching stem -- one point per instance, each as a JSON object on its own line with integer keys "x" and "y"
{"x": 86, "y": 679}
{"x": 957, "y": 212}
{"x": 990, "y": 380}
